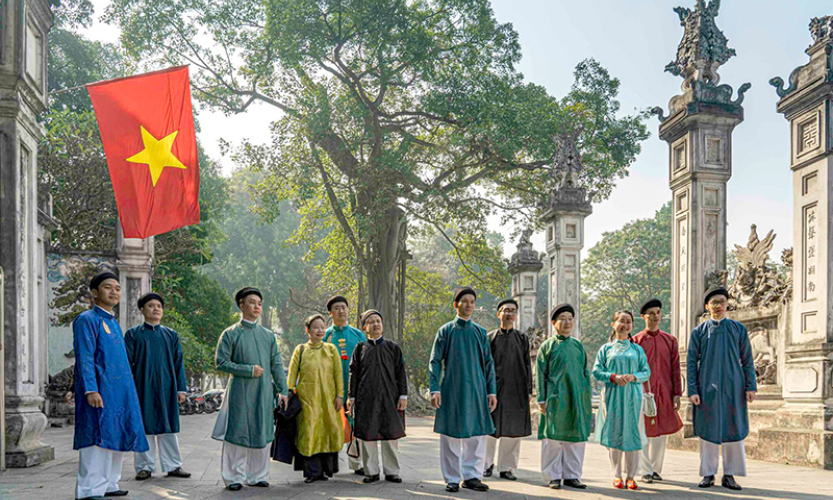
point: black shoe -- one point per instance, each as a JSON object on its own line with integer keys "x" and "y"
{"x": 91, "y": 498}
{"x": 123, "y": 493}
{"x": 452, "y": 487}
{"x": 648, "y": 478}
{"x": 142, "y": 475}
{"x": 475, "y": 484}
{"x": 393, "y": 478}
{"x": 260, "y": 484}
{"x": 309, "y": 480}
{"x": 178, "y": 472}
{"x": 575, "y": 483}
{"x": 555, "y": 484}
{"x": 729, "y": 482}
{"x": 488, "y": 471}
{"x": 508, "y": 475}
{"x": 707, "y": 482}
{"x": 370, "y": 479}
{"x": 359, "y": 472}
{"x": 235, "y": 487}
{"x": 657, "y": 477}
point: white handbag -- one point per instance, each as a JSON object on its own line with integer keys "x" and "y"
{"x": 649, "y": 404}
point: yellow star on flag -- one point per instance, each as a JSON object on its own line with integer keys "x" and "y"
{"x": 157, "y": 154}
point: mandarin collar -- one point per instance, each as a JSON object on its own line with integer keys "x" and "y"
{"x": 501, "y": 331}
{"x": 652, "y": 334}
{"x": 716, "y": 322}
{"x": 562, "y": 337}
{"x": 102, "y": 312}
{"x": 248, "y": 324}
{"x": 377, "y": 341}
{"x": 340, "y": 329}
{"x": 315, "y": 346}
{"x": 151, "y": 327}
{"x": 462, "y": 322}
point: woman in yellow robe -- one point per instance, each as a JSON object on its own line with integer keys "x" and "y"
{"x": 320, "y": 385}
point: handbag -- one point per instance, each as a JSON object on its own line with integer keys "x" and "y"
{"x": 649, "y": 404}
{"x": 353, "y": 450}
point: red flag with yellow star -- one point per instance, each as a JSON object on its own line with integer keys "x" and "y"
{"x": 147, "y": 128}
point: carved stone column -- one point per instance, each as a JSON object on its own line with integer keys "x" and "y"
{"x": 23, "y": 53}
{"x": 523, "y": 268}
{"x": 564, "y": 221}
{"x": 135, "y": 257}
{"x": 806, "y": 420}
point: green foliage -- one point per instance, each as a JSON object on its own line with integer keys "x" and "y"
{"x": 199, "y": 357}
{"x": 428, "y": 309}
{"x": 626, "y": 268}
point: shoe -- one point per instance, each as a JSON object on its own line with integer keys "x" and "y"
{"x": 575, "y": 483}
{"x": 393, "y": 478}
{"x": 648, "y": 478}
{"x": 508, "y": 475}
{"x": 260, "y": 484}
{"x": 657, "y": 477}
{"x": 123, "y": 493}
{"x": 359, "y": 472}
{"x": 729, "y": 482}
{"x": 707, "y": 482}
{"x": 452, "y": 487}
{"x": 142, "y": 475}
{"x": 475, "y": 484}
{"x": 488, "y": 471}
{"x": 90, "y": 498}
{"x": 631, "y": 484}
{"x": 618, "y": 483}
{"x": 370, "y": 479}
{"x": 309, "y": 480}
{"x": 235, "y": 487}
{"x": 178, "y": 472}
{"x": 555, "y": 484}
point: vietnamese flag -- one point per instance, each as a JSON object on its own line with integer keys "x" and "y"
{"x": 147, "y": 128}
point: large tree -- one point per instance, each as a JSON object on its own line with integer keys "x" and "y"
{"x": 391, "y": 111}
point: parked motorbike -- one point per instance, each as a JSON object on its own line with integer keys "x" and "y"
{"x": 213, "y": 400}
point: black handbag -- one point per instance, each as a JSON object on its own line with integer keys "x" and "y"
{"x": 283, "y": 446}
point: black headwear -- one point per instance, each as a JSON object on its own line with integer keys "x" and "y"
{"x": 715, "y": 290}
{"x": 144, "y": 299}
{"x": 651, "y": 303}
{"x": 560, "y": 309}
{"x": 335, "y": 300}
{"x": 367, "y": 314}
{"x": 464, "y": 291}
{"x": 245, "y": 292}
{"x": 101, "y": 277}
{"x": 507, "y": 301}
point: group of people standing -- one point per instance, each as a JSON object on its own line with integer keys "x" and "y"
{"x": 351, "y": 388}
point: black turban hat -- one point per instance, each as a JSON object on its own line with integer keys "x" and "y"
{"x": 560, "y": 309}
{"x": 507, "y": 301}
{"x": 335, "y": 300}
{"x": 715, "y": 290}
{"x": 459, "y": 294}
{"x": 651, "y": 303}
{"x": 245, "y": 292}
{"x": 144, "y": 299}
{"x": 367, "y": 314}
{"x": 101, "y": 277}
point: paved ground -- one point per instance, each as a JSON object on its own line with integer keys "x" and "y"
{"x": 423, "y": 481}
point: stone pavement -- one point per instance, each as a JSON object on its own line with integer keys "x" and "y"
{"x": 420, "y": 470}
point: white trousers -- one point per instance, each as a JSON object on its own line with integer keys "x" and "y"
{"x": 353, "y": 463}
{"x": 561, "y": 459}
{"x": 390, "y": 457}
{"x": 169, "y": 456}
{"x": 462, "y": 459}
{"x": 734, "y": 458}
{"x": 631, "y": 463}
{"x": 508, "y": 455}
{"x": 244, "y": 465}
{"x": 99, "y": 472}
{"x": 653, "y": 455}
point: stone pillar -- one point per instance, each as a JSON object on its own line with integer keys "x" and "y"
{"x": 564, "y": 221}
{"x": 805, "y": 433}
{"x": 523, "y": 268}
{"x": 135, "y": 257}
{"x": 23, "y": 86}
{"x": 699, "y": 136}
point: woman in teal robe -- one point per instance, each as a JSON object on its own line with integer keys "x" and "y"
{"x": 623, "y": 367}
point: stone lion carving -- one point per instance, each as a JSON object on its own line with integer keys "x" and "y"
{"x": 756, "y": 282}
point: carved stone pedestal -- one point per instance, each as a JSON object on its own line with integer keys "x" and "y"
{"x": 25, "y": 422}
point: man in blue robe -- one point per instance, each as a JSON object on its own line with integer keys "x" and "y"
{"x": 721, "y": 382}
{"x": 155, "y": 356}
{"x": 345, "y": 338}
{"x": 108, "y": 419}
{"x": 464, "y": 393}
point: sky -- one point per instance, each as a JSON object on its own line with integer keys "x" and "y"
{"x": 634, "y": 40}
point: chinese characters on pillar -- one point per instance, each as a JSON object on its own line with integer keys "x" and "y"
{"x": 810, "y": 252}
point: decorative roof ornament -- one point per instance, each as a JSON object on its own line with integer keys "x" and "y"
{"x": 820, "y": 67}
{"x": 822, "y": 29}
{"x": 526, "y": 258}
{"x": 703, "y": 48}
{"x": 567, "y": 161}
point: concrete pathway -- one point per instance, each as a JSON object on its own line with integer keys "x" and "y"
{"x": 420, "y": 470}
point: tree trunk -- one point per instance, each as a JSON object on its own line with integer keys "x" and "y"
{"x": 266, "y": 318}
{"x": 384, "y": 253}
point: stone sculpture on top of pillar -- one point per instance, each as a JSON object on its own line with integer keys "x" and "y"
{"x": 805, "y": 422}
{"x": 134, "y": 262}
{"x": 523, "y": 268}
{"x": 698, "y": 131}
{"x": 563, "y": 217}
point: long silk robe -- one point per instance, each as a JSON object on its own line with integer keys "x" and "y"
{"x": 513, "y": 373}
{"x": 720, "y": 370}
{"x": 101, "y": 366}
{"x": 377, "y": 382}
{"x": 462, "y": 370}
{"x": 250, "y": 400}
{"x": 316, "y": 376}
{"x": 663, "y": 356}
{"x": 564, "y": 384}
{"x": 345, "y": 338}
{"x": 619, "y": 423}
{"x": 158, "y": 366}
